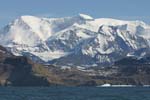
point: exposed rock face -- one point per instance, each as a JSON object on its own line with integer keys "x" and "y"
{"x": 20, "y": 71}
{"x": 61, "y": 41}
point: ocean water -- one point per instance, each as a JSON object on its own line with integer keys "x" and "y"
{"x": 74, "y": 93}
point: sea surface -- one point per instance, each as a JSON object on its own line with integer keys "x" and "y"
{"x": 74, "y": 93}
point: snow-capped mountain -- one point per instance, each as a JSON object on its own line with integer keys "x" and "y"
{"x": 76, "y": 41}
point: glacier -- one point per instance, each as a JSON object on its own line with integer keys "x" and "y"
{"x": 76, "y": 41}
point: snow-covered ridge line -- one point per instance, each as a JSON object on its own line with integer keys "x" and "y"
{"x": 81, "y": 40}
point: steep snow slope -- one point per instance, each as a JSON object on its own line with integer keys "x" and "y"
{"x": 76, "y": 41}
{"x": 26, "y": 30}
{"x": 32, "y": 30}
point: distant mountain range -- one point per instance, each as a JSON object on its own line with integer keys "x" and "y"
{"x": 76, "y": 41}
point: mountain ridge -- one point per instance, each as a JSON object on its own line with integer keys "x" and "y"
{"x": 58, "y": 40}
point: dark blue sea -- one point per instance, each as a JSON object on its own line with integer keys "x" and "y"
{"x": 74, "y": 93}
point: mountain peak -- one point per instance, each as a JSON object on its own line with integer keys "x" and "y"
{"x": 27, "y": 17}
{"x": 30, "y": 20}
{"x": 86, "y": 17}
{"x": 102, "y": 40}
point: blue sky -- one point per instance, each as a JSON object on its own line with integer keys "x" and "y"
{"x": 120, "y": 9}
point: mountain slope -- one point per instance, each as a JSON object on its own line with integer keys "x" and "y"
{"x": 20, "y": 71}
{"x": 76, "y": 41}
